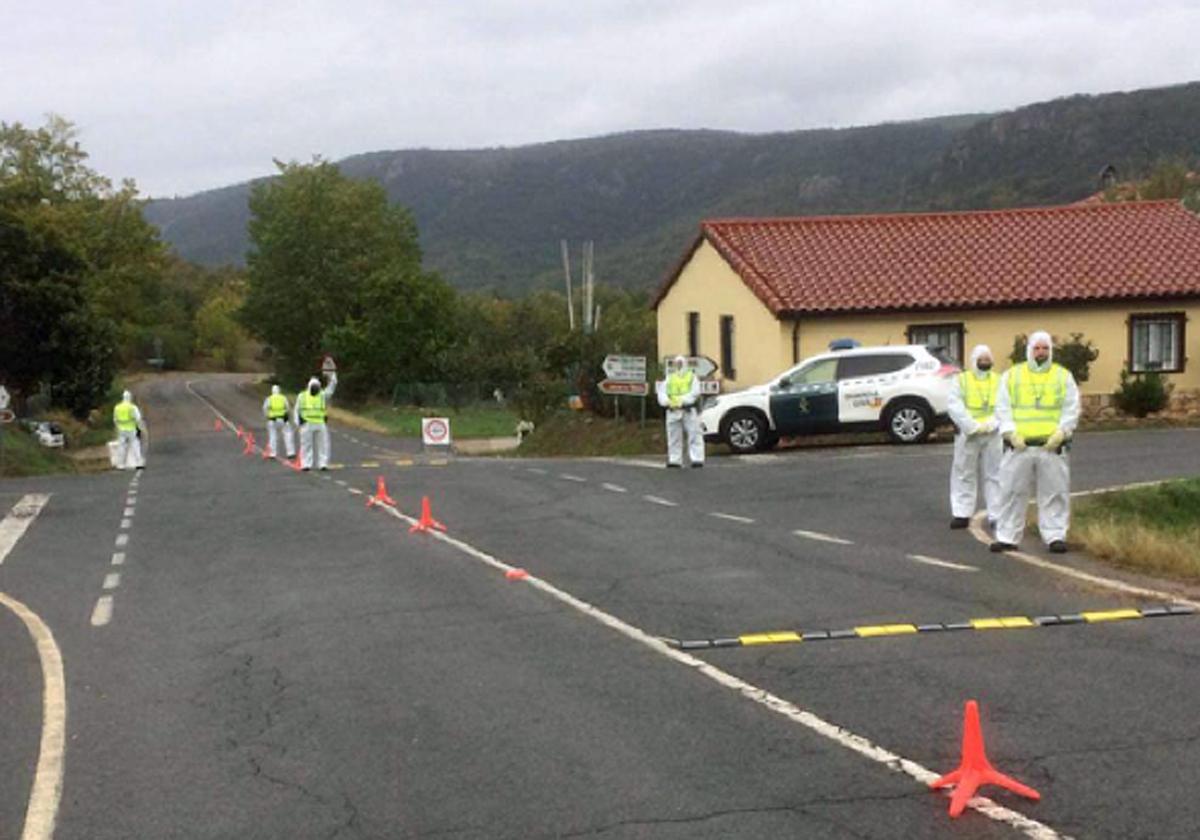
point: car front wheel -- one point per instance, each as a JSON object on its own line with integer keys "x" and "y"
{"x": 908, "y": 422}
{"x": 745, "y": 431}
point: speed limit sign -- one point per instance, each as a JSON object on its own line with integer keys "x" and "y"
{"x": 435, "y": 431}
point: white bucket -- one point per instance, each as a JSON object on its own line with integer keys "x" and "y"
{"x": 114, "y": 451}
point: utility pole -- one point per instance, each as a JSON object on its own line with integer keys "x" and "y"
{"x": 566, "y": 258}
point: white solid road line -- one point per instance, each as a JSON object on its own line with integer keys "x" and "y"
{"x": 47, "y": 780}
{"x": 732, "y": 518}
{"x": 843, "y": 737}
{"x": 616, "y": 488}
{"x": 660, "y": 501}
{"x": 817, "y": 535}
{"x": 23, "y": 513}
{"x": 946, "y": 564}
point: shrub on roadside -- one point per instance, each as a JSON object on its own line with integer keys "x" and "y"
{"x": 1142, "y": 393}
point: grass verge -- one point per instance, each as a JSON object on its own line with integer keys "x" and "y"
{"x": 22, "y": 456}
{"x": 1147, "y": 529}
{"x": 585, "y": 435}
{"x": 469, "y": 422}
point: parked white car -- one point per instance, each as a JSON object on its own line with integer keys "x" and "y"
{"x": 49, "y": 434}
{"x": 902, "y": 389}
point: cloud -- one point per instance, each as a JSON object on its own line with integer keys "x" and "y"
{"x": 184, "y": 96}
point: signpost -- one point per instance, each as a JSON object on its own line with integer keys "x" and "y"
{"x": 6, "y": 417}
{"x": 626, "y": 377}
{"x": 328, "y": 365}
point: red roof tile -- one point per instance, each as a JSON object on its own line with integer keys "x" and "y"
{"x": 995, "y": 258}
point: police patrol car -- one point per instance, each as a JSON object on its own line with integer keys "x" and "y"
{"x": 902, "y": 389}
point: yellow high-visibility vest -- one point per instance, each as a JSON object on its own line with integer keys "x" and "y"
{"x": 979, "y": 395}
{"x": 1037, "y": 399}
{"x": 276, "y": 407}
{"x": 312, "y": 409}
{"x": 123, "y": 417}
{"x": 679, "y": 385}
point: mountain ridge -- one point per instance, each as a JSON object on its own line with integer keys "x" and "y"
{"x": 492, "y": 218}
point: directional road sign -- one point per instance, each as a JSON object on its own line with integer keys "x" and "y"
{"x": 619, "y": 388}
{"x": 625, "y": 368}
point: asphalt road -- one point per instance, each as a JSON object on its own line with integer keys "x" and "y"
{"x": 275, "y": 659}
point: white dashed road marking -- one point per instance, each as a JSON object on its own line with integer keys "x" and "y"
{"x": 118, "y": 558}
{"x": 568, "y": 477}
{"x": 660, "y": 501}
{"x": 102, "y": 614}
{"x": 616, "y": 488}
{"x": 732, "y": 518}
{"x": 112, "y": 580}
{"x": 933, "y": 561}
{"x": 126, "y": 524}
{"x": 122, "y": 540}
{"x": 817, "y": 535}
{"x": 128, "y": 512}
{"x": 535, "y": 470}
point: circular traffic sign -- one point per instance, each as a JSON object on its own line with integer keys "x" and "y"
{"x": 436, "y": 430}
{"x": 7, "y": 415}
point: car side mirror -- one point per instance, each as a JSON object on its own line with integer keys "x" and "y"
{"x": 785, "y": 382}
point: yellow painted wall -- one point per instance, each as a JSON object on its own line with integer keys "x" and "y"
{"x": 709, "y": 286}
{"x": 1104, "y": 325}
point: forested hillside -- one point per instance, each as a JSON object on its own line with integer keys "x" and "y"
{"x": 493, "y": 218}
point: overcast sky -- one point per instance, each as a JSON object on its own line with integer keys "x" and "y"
{"x": 184, "y": 97}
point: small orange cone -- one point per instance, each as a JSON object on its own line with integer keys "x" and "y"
{"x": 241, "y": 433}
{"x": 249, "y": 450}
{"x": 975, "y": 769}
{"x": 516, "y": 574}
{"x": 426, "y": 522}
{"x": 296, "y": 464}
{"x": 266, "y": 455}
{"x": 217, "y": 426}
{"x": 381, "y": 496}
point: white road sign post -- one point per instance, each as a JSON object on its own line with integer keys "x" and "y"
{"x": 626, "y": 376}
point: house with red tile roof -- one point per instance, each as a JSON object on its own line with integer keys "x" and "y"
{"x": 758, "y": 295}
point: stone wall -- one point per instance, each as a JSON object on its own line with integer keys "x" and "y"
{"x": 1184, "y": 405}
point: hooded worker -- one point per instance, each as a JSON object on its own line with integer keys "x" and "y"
{"x": 679, "y": 394}
{"x": 1037, "y": 407}
{"x": 308, "y": 413}
{"x": 127, "y": 417}
{"x": 275, "y": 409}
{"x": 977, "y": 447}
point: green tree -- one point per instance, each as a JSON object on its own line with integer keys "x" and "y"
{"x": 334, "y": 267}
{"x": 219, "y": 334}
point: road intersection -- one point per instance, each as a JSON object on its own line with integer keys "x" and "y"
{"x": 280, "y": 660}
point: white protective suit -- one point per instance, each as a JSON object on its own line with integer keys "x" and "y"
{"x": 318, "y": 430}
{"x": 129, "y": 448}
{"x": 1035, "y": 468}
{"x": 277, "y": 426}
{"x": 977, "y": 450}
{"x": 684, "y": 419}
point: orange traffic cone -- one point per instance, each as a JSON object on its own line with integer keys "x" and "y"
{"x": 249, "y": 450}
{"x": 296, "y": 464}
{"x": 381, "y": 496}
{"x": 426, "y": 522}
{"x": 516, "y": 574}
{"x": 975, "y": 769}
{"x": 241, "y": 432}
{"x": 267, "y": 455}
{"x": 217, "y": 426}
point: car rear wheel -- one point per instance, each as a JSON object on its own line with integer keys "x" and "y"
{"x": 908, "y": 421}
{"x": 744, "y": 431}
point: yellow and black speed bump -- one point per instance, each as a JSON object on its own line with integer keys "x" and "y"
{"x": 881, "y": 630}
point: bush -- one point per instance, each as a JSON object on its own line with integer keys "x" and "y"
{"x": 1141, "y": 393}
{"x": 540, "y": 397}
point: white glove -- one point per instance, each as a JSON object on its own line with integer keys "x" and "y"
{"x": 1054, "y": 441}
{"x": 988, "y": 426}
{"x": 1015, "y": 441}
